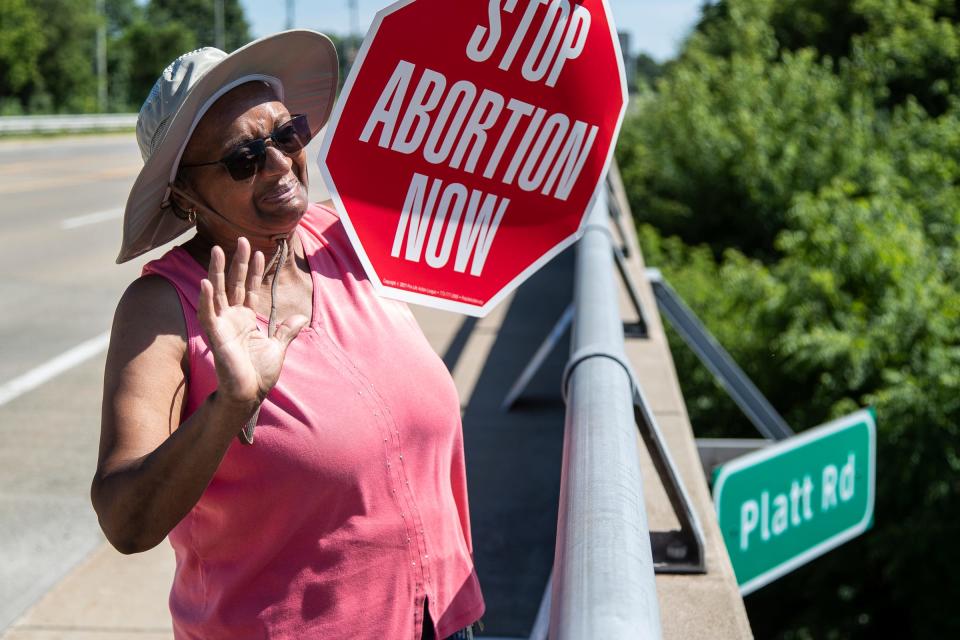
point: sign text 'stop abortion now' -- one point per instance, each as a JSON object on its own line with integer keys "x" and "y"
{"x": 469, "y": 141}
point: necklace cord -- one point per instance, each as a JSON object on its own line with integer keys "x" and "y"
{"x": 279, "y": 257}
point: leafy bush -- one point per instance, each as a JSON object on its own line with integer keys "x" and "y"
{"x": 795, "y": 173}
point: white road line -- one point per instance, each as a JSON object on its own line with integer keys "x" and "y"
{"x": 52, "y": 368}
{"x": 91, "y": 218}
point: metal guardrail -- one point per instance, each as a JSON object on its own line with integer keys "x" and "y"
{"x": 67, "y": 123}
{"x": 723, "y": 367}
{"x": 603, "y": 580}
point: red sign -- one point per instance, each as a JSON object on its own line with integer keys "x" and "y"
{"x": 469, "y": 141}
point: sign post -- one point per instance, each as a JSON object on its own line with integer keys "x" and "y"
{"x": 469, "y": 141}
{"x": 793, "y": 501}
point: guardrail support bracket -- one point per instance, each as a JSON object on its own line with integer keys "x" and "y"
{"x": 679, "y": 550}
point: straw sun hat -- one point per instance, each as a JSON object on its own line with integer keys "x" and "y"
{"x": 300, "y": 65}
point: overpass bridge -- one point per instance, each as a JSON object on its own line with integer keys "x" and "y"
{"x": 60, "y": 209}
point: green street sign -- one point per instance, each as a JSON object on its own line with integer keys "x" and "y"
{"x": 793, "y": 501}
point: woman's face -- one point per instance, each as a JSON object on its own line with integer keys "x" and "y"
{"x": 270, "y": 202}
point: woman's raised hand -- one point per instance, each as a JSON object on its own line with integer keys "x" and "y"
{"x": 248, "y": 361}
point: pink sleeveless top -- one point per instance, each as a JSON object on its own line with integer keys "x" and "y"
{"x": 350, "y": 509}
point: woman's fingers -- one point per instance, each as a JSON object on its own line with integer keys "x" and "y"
{"x": 254, "y": 280}
{"x": 205, "y": 306}
{"x": 217, "y": 278}
{"x": 236, "y": 278}
{"x": 243, "y": 281}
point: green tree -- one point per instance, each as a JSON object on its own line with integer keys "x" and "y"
{"x": 796, "y": 176}
{"x": 48, "y": 47}
{"x": 21, "y": 43}
{"x": 197, "y": 16}
{"x": 68, "y": 81}
{"x": 121, "y": 16}
{"x": 47, "y": 55}
{"x": 151, "y": 48}
{"x": 648, "y": 69}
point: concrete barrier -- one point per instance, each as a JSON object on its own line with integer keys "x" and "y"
{"x": 67, "y": 123}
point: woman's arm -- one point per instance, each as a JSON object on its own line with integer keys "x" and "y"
{"x": 153, "y": 470}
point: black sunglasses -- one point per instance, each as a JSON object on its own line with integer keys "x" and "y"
{"x": 250, "y": 157}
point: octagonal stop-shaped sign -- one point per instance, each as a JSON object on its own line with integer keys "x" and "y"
{"x": 469, "y": 141}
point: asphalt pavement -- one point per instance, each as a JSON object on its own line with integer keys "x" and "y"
{"x": 58, "y": 288}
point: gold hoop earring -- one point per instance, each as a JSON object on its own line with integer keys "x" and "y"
{"x": 192, "y": 216}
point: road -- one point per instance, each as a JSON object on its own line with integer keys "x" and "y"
{"x": 59, "y": 288}
{"x": 60, "y": 207}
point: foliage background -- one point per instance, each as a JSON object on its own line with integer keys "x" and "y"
{"x": 795, "y": 173}
{"x": 48, "y": 49}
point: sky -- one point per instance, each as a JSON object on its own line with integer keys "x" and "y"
{"x": 657, "y": 27}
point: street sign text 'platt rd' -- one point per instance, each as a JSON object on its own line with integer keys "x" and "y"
{"x": 791, "y": 502}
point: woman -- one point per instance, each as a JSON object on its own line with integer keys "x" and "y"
{"x": 293, "y": 434}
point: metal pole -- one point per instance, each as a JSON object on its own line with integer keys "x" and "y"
{"x": 541, "y": 625}
{"x": 720, "y": 363}
{"x": 543, "y": 352}
{"x": 101, "y": 57}
{"x": 354, "y": 17}
{"x": 291, "y": 12}
{"x": 353, "y": 8}
{"x": 218, "y": 26}
{"x": 603, "y": 581}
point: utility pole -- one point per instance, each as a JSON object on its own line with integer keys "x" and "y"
{"x": 101, "y": 56}
{"x": 353, "y": 8}
{"x": 218, "y": 36}
{"x": 291, "y": 13}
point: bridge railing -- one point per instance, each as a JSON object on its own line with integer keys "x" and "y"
{"x": 603, "y": 580}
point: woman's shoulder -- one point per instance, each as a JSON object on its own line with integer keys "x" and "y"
{"x": 149, "y": 326}
{"x": 150, "y": 306}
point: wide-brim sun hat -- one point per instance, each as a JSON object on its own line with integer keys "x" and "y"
{"x": 300, "y": 65}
